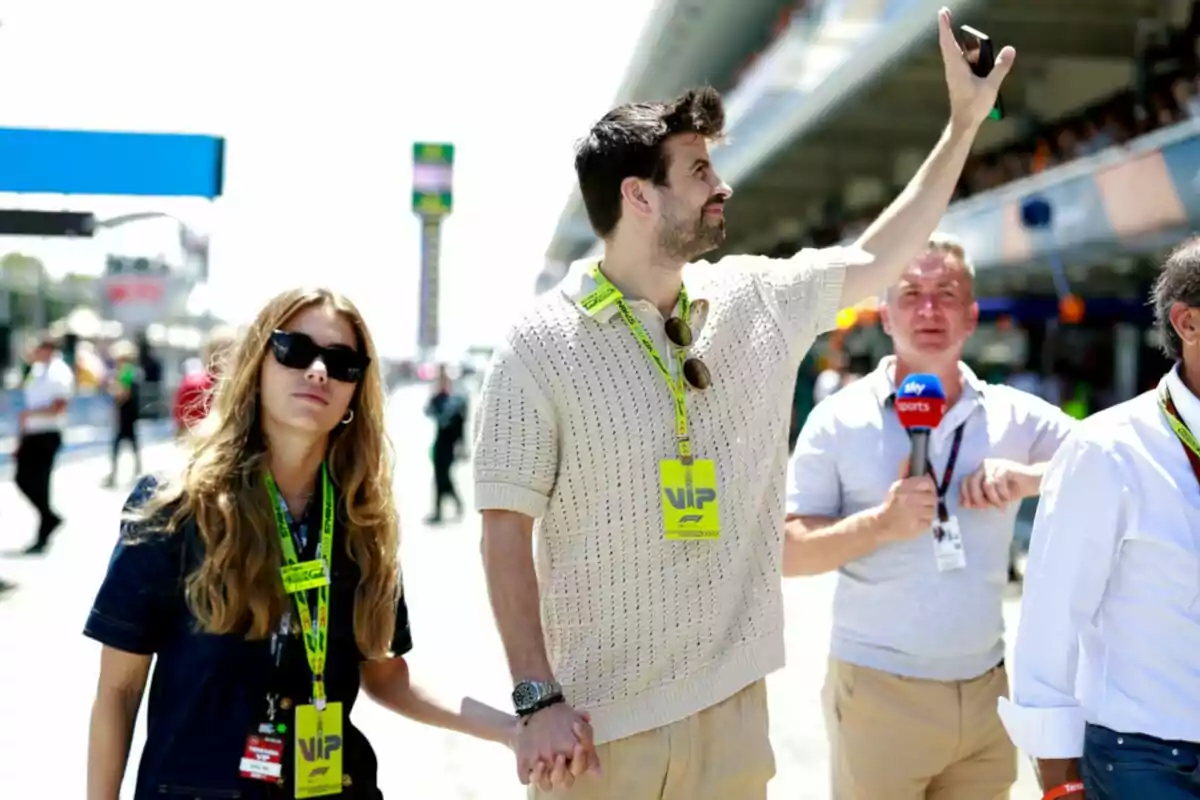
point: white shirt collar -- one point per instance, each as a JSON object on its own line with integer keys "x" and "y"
{"x": 883, "y": 380}
{"x": 579, "y": 283}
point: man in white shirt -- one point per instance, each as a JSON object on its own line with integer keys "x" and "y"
{"x": 48, "y": 387}
{"x": 1106, "y": 679}
{"x": 621, "y": 414}
{"x": 917, "y": 652}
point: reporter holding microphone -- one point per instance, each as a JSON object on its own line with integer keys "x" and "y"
{"x": 917, "y": 652}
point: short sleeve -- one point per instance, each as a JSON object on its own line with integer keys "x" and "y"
{"x": 1048, "y": 426}
{"x": 402, "y": 636}
{"x": 807, "y": 288}
{"x": 62, "y": 380}
{"x": 814, "y": 488}
{"x": 133, "y": 607}
{"x": 516, "y": 439}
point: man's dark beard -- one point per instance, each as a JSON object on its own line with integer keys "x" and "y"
{"x": 688, "y": 243}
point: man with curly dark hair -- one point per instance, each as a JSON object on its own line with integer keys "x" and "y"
{"x": 636, "y": 419}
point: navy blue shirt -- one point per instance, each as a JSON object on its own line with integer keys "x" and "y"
{"x": 208, "y": 692}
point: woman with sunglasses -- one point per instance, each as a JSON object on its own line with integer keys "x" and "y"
{"x": 264, "y": 578}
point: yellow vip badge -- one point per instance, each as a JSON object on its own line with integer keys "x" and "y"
{"x": 304, "y": 576}
{"x": 690, "y": 502}
{"x": 319, "y": 747}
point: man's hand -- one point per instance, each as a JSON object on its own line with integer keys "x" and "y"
{"x": 971, "y": 97}
{"x": 1054, "y": 772}
{"x": 909, "y": 508}
{"x": 554, "y": 747}
{"x": 997, "y": 483}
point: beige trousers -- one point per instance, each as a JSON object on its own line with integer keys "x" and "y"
{"x": 894, "y": 738}
{"x": 722, "y": 753}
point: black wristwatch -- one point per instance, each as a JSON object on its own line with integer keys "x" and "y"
{"x": 530, "y": 697}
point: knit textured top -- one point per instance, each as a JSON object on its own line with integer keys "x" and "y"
{"x": 574, "y": 419}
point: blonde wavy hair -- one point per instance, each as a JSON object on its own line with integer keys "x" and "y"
{"x": 237, "y": 588}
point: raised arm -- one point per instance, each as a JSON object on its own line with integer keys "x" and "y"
{"x": 903, "y": 229}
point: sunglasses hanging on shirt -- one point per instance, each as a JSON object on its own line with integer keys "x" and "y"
{"x": 695, "y": 371}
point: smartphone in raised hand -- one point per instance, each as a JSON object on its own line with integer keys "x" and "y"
{"x": 981, "y": 56}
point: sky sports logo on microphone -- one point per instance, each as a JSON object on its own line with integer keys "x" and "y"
{"x": 921, "y": 402}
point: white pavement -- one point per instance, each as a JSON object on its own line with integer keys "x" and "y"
{"x": 48, "y": 670}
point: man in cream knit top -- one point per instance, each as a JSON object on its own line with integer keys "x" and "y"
{"x": 634, "y": 423}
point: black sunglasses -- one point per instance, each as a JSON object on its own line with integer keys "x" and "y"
{"x": 695, "y": 372}
{"x": 296, "y": 350}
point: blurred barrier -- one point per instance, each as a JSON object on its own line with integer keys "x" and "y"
{"x": 91, "y": 423}
{"x": 1127, "y": 198}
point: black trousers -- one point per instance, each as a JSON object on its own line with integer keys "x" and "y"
{"x": 35, "y": 463}
{"x": 443, "y": 479}
{"x": 126, "y": 432}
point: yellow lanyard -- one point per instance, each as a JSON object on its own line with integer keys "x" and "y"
{"x": 1186, "y": 438}
{"x": 606, "y": 294}
{"x": 316, "y": 637}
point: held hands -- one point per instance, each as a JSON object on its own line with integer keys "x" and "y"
{"x": 971, "y": 97}
{"x": 997, "y": 483}
{"x": 554, "y": 747}
{"x": 909, "y": 508}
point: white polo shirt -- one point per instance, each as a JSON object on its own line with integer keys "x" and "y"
{"x": 47, "y": 382}
{"x": 893, "y": 610}
{"x": 574, "y": 421}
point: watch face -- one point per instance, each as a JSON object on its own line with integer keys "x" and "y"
{"x": 524, "y": 695}
{"x": 528, "y": 693}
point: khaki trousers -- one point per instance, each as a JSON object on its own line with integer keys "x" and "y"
{"x": 894, "y": 738}
{"x": 722, "y": 753}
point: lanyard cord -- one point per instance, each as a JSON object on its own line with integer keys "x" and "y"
{"x": 314, "y": 633}
{"x": 606, "y": 294}
{"x": 1191, "y": 447}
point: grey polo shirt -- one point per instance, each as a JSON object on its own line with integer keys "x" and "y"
{"x": 893, "y": 610}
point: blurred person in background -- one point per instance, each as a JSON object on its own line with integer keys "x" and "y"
{"x": 448, "y": 409}
{"x": 49, "y": 385}
{"x": 194, "y": 396}
{"x": 917, "y": 651}
{"x": 125, "y": 389}
{"x": 831, "y": 378}
{"x": 263, "y": 581}
{"x": 1106, "y": 680}
{"x": 616, "y": 412}
{"x": 90, "y": 369}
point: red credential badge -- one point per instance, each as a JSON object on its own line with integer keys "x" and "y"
{"x": 263, "y": 759}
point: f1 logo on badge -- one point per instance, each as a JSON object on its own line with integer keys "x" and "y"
{"x": 690, "y": 498}
{"x": 312, "y": 748}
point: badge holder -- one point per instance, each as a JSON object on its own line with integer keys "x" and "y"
{"x": 947, "y": 538}
{"x": 948, "y": 545}
{"x": 318, "y": 749}
{"x": 262, "y": 759}
{"x": 691, "y": 510}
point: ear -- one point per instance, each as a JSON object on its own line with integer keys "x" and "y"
{"x": 637, "y": 197}
{"x": 973, "y": 316}
{"x": 1186, "y": 322}
{"x": 885, "y": 317}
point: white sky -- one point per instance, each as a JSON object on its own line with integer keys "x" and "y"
{"x": 320, "y": 110}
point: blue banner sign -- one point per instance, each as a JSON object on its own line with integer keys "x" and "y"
{"x": 108, "y": 163}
